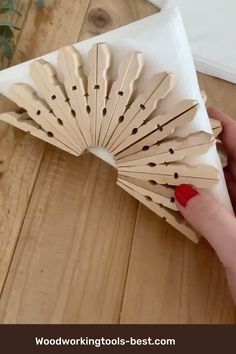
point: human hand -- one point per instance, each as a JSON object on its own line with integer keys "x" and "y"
{"x": 206, "y": 215}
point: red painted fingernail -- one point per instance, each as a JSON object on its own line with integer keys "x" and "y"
{"x": 184, "y": 193}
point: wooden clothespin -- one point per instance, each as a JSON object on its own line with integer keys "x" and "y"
{"x": 120, "y": 95}
{"x": 201, "y": 176}
{"x": 99, "y": 62}
{"x": 159, "y": 127}
{"x": 23, "y": 122}
{"x": 172, "y": 217}
{"x": 25, "y": 97}
{"x": 159, "y": 87}
{"x": 174, "y": 149}
{"x": 160, "y": 194}
{"x": 70, "y": 63}
{"x": 44, "y": 76}
{"x": 216, "y": 127}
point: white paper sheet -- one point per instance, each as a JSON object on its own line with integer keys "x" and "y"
{"x": 211, "y": 28}
{"x": 162, "y": 39}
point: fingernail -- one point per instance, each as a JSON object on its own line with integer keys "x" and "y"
{"x": 184, "y": 193}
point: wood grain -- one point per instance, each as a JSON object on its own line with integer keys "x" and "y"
{"x": 187, "y": 283}
{"x": 20, "y": 153}
{"x": 174, "y": 280}
{"x": 106, "y": 15}
{"x": 71, "y": 260}
{"x": 92, "y": 290}
{"x": 45, "y": 30}
{"x": 74, "y": 248}
{"x": 220, "y": 93}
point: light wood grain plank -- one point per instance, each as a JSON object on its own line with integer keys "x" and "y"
{"x": 205, "y": 294}
{"x": 21, "y": 153}
{"x": 155, "y": 267}
{"x": 20, "y": 165}
{"x": 78, "y": 228}
{"x": 50, "y": 27}
{"x": 75, "y": 271}
{"x": 106, "y": 15}
{"x": 220, "y": 93}
{"x": 21, "y": 159}
{"x": 71, "y": 259}
{"x": 174, "y": 280}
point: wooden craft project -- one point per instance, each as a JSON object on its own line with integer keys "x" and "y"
{"x": 84, "y": 111}
{"x": 216, "y": 127}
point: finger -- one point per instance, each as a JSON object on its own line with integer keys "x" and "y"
{"x": 210, "y": 219}
{"x": 229, "y": 130}
{"x": 214, "y": 113}
{"x": 231, "y": 166}
{"x": 231, "y": 185}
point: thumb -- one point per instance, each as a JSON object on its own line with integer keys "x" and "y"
{"x": 211, "y": 220}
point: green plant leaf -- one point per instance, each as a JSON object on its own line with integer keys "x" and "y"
{"x": 6, "y": 31}
{"x": 6, "y": 45}
{"x": 8, "y": 6}
{"x": 40, "y": 3}
{"x": 3, "y": 10}
{"x": 9, "y": 24}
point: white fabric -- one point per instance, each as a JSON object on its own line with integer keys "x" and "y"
{"x": 162, "y": 39}
{"x": 211, "y": 29}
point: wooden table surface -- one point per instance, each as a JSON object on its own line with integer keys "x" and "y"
{"x": 74, "y": 248}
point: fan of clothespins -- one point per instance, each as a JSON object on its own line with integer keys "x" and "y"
{"x": 81, "y": 112}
